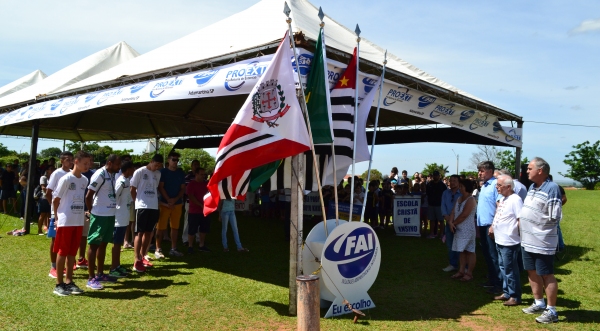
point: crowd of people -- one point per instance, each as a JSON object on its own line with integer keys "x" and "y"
{"x": 516, "y": 221}
{"x": 128, "y": 205}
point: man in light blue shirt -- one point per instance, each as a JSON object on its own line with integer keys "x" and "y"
{"x": 486, "y": 209}
{"x": 449, "y": 198}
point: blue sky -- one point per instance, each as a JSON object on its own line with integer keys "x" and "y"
{"x": 538, "y": 59}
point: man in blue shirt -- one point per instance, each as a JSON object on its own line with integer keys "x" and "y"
{"x": 449, "y": 198}
{"x": 486, "y": 209}
{"x": 171, "y": 188}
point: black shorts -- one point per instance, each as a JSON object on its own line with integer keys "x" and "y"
{"x": 44, "y": 206}
{"x": 198, "y": 223}
{"x": 6, "y": 194}
{"x": 146, "y": 219}
{"x": 541, "y": 263}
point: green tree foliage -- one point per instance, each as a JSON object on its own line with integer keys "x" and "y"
{"x": 431, "y": 167}
{"x": 506, "y": 160}
{"x": 50, "y": 152}
{"x": 584, "y": 164}
{"x": 4, "y": 151}
{"x": 375, "y": 174}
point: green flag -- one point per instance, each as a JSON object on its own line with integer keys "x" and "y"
{"x": 317, "y": 96}
{"x": 260, "y": 175}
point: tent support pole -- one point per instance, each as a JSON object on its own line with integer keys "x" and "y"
{"x": 31, "y": 175}
{"x": 295, "y": 230}
{"x": 518, "y": 156}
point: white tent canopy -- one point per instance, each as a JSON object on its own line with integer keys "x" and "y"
{"x": 87, "y": 67}
{"x": 23, "y": 82}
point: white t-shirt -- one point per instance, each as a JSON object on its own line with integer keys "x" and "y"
{"x": 53, "y": 184}
{"x": 506, "y": 227}
{"x": 124, "y": 201}
{"x": 146, "y": 183}
{"x": 105, "y": 201}
{"x": 71, "y": 191}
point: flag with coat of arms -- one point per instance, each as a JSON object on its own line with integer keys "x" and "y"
{"x": 268, "y": 127}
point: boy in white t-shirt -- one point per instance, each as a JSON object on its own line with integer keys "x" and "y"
{"x": 69, "y": 206}
{"x": 144, "y": 191}
{"x": 66, "y": 161}
{"x": 122, "y": 215}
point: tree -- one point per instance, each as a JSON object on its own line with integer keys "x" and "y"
{"x": 584, "y": 163}
{"x": 50, "y": 152}
{"x": 431, "y": 167}
{"x": 506, "y": 160}
{"x": 188, "y": 155}
{"x": 4, "y": 151}
{"x": 375, "y": 175}
{"x": 485, "y": 153}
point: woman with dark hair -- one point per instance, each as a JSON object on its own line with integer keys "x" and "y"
{"x": 463, "y": 226}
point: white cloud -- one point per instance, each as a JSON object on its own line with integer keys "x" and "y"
{"x": 586, "y": 26}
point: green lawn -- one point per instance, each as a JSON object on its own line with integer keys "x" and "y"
{"x": 222, "y": 291}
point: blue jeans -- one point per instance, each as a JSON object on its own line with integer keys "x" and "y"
{"x": 509, "y": 269}
{"x": 561, "y": 242}
{"x": 490, "y": 254}
{"x": 226, "y": 218}
{"x": 452, "y": 255}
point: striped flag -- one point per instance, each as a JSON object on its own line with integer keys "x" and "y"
{"x": 268, "y": 127}
{"x": 317, "y": 95}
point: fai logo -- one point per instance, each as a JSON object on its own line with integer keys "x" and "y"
{"x": 400, "y": 94}
{"x": 68, "y": 103}
{"x": 481, "y": 122}
{"x": 268, "y": 103}
{"x": 205, "y": 76}
{"x": 465, "y": 115}
{"x": 369, "y": 84}
{"x": 36, "y": 109}
{"x": 236, "y": 78}
{"x": 352, "y": 252}
{"x": 425, "y": 101}
{"x": 160, "y": 87}
{"x": 445, "y": 110}
{"x": 137, "y": 87}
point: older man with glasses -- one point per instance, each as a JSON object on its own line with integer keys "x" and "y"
{"x": 505, "y": 231}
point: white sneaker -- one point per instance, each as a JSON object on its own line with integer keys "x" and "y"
{"x": 148, "y": 257}
{"x": 449, "y": 268}
{"x": 174, "y": 252}
{"x": 158, "y": 254}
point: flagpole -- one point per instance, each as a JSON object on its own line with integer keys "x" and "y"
{"x": 287, "y": 12}
{"x": 362, "y": 216}
{"x": 357, "y": 31}
{"x": 335, "y": 184}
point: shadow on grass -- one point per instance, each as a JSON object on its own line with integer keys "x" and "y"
{"x": 129, "y": 295}
{"x": 581, "y": 316}
{"x": 145, "y": 284}
{"x": 279, "y": 308}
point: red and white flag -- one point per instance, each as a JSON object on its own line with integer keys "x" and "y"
{"x": 268, "y": 127}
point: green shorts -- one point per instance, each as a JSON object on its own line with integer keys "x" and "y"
{"x": 101, "y": 229}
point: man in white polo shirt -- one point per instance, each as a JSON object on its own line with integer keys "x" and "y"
{"x": 505, "y": 231}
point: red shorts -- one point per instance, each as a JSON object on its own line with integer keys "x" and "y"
{"x": 67, "y": 240}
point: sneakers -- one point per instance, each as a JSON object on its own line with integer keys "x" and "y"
{"x": 148, "y": 257}
{"x": 174, "y": 252}
{"x": 203, "y": 249}
{"x": 449, "y": 268}
{"x": 62, "y": 290}
{"x": 147, "y": 263}
{"x": 94, "y": 284}
{"x": 158, "y": 254}
{"x": 116, "y": 273}
{"x": 82, "y": 263}
{"x": 123, "y": 270}
{"x": 52, "y": 273}
{"x": 190, "y": 251}
{"x": 74, "y": 289}
{"x": 547, "y": 317}
{"x": 138, "y": 266}
{"x": 105, "y": 278}
{"x": 534, "y": 309}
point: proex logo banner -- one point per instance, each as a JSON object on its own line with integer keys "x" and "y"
{"x": 160, "y": 87}
{"x": 237, "y": 76}
{"x": 351, "y": 257}
{"x": 399, "y": 94}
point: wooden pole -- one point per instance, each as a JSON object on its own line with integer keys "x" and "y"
{"x": 295, "y": 230}
{"x": 308, "y": 303}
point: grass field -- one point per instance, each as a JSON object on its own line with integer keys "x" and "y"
{"x": 236, "y": 291}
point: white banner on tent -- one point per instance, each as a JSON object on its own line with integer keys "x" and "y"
{"x": 240, "y": 77}
{"x": 407, "y": 211}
